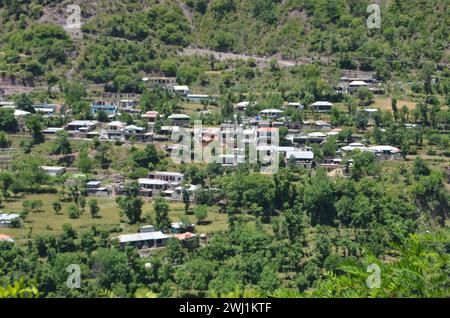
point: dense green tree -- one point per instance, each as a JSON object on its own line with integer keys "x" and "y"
{"x": 131, "y": 207}
{"x": 161, "y": 208}
{"x": 61, "y": 145}
{"x": 94, "y": 209}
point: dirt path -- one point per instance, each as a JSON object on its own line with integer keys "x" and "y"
{"x": 262, "y": 61}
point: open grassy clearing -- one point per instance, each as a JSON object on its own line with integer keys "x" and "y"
{"x": 47, "y": 222}
{"x": 194, "y": 109}
{"x": 384, "y": 103}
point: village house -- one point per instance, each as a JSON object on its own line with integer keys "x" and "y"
{"x": 94, "y": 187}
{"x": 316, "y": 125}
{"x": 133, "y": 131}
{"x": 82, "y": 125}
{"x": 198, "y": 98}
{"x": 271, "y": 113}
{"x": 302, "y": 139}
{"x": 304, "y": 157}
{"x": 53, "y": 170}
{"x": 146, "y": 240}
{"x": 151, "y": 187}
{"x": 128, "y": 106}
{"x": 181, "y": 120}
{"x": 114, "y": 130}
{"x": 353, "y": 86}
{"x": 52, "y": 130}
{"x": 18, "y": 113}
{"x": 386, "y": 152}
{"x": 179, "y": 227}
{"x": 181, "y": 89}
{"x": 151, "y": 116}
{"x": 47, "y": 109}
{"x": 293, "y": 126}
{"x": 322, "y": 107}
{"x": 109, "y": 108}
{"x": 114, "y": 98}
{"x": 174, "y": 178}
{"x": 7, "y": 220}
{"x": 354, "y": 146}
{"x": 160, "y": 81}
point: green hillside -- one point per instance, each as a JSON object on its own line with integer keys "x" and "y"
{"x": 127, "y": 37}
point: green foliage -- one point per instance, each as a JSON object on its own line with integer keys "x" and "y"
{"x": 19, "y": 289}
{"x": 61, "y": 145}
{"x": 4, "y": 141}
{"x": 35, "y": 125}
{"x": 7, "y": 120}
{"x": 73, "y": 211}
{"x": 94, "y": 209}
{"x": 201, "y": 213}
{"x": 161, "y": 208}
{"x": 420, "y": 272}
{"x": 131, "y": 207}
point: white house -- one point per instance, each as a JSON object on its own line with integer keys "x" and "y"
{"x": 386, "y": 152}
{"x": 272, "y": 112}
{"x": 151, "y": 187}
{"x": 354, "y": 146}
{"x": 322, "y": 106}
{"x": 303, "y": 157}
{"x": 82, "y": 125}
{"x": 52, "y": 130}
{"x": 354, "y": 85}
{"x": 174, "y": 178}
{"x": 181, "y": 89}
{"x": 7, "y": 219}
{"x": 94, "y": 187}
{"x": 53, "y": 170}
{"x": 116, "y": 125}
{"x": 144, "y": 240}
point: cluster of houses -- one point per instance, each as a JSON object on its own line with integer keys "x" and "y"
{"x": 169, "y": 185}
{"x": 170, "y": 84}
{"x": 352, "y": 80}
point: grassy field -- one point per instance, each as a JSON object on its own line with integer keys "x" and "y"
{"x": 47, "y": 222}
{"x": 192, "y": 109}
{"x": 384, "y": 103}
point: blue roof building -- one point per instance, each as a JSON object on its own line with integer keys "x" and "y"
{"x": 107, "y": 107}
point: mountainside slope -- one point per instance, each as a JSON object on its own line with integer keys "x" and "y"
{"x": 138, "y": 35}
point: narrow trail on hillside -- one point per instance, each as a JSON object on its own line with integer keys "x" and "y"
{"x": 230, "y": 56}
